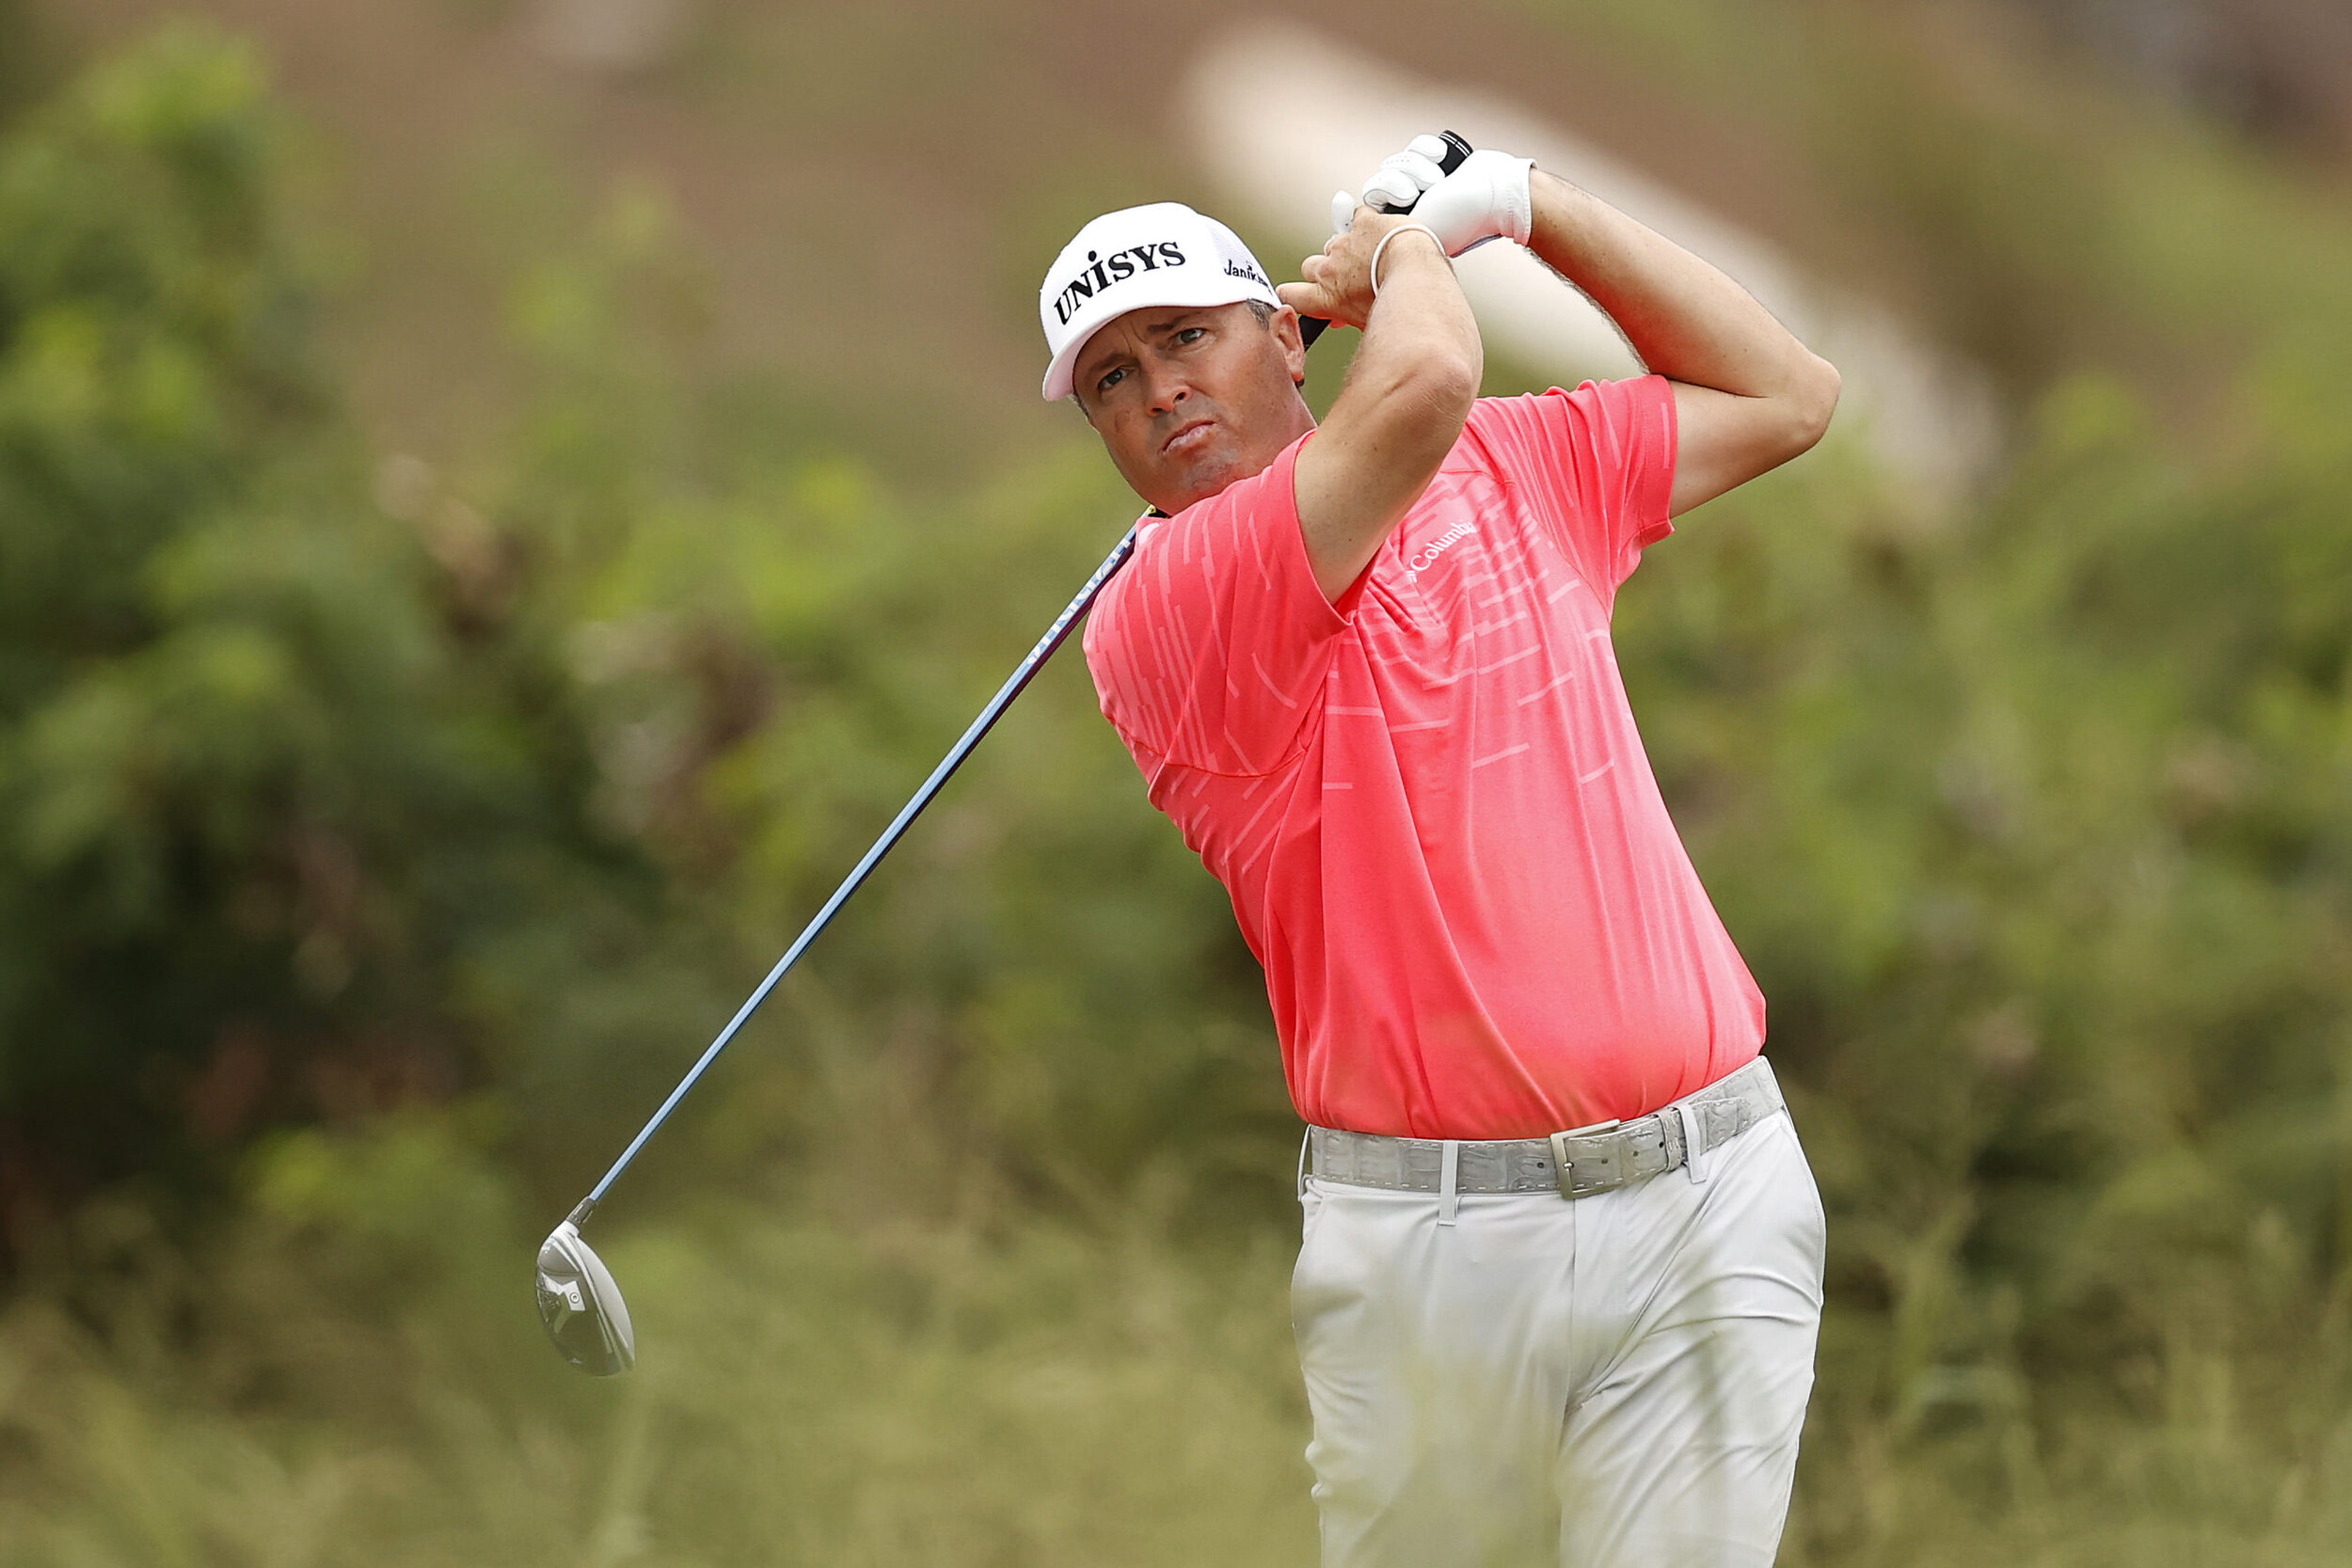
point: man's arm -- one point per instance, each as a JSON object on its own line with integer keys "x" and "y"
{"x": 1408, "y": 390}
{"x": 1748, "y": 396}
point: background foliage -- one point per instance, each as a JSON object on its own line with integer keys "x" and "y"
{"x": 376, "y": 843}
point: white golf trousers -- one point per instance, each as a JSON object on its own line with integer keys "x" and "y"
{"x": 1615, "y": 1382}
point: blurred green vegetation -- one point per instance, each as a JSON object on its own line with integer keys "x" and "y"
{"x": 377, "y": 843}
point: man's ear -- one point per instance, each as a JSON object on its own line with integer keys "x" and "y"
{"x": 1284, "y": 325}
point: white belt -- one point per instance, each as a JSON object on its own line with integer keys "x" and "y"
{"x": 1578, "y": 1163}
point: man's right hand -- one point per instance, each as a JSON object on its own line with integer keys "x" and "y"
{"x": 1338, "y": 283}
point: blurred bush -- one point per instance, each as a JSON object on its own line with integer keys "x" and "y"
{"x": 278, "y": 773}
{"x": 330, "y": 786}
{"x": 377, "y": 843}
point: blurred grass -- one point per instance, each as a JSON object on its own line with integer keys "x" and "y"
{"x": 846, "y": 1379}
{"x": 348, "y": 1381}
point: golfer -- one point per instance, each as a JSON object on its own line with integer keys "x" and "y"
{"x": 1560, "y": 1278}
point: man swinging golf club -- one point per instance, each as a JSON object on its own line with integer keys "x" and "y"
{"x": 1560, "y": 1280}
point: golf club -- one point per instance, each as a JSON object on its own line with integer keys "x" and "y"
{"x": 579, "y": 1301}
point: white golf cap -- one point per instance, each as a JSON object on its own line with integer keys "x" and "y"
{"x": 1161, "y": 254}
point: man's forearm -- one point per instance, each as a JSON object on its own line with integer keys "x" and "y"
{"x": 1408, "y": 390}
{"x": 1687, "y": 320}
{"x": 1421, "y": 332}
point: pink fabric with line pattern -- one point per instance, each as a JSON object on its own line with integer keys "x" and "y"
{"x": 1429, "y": 802}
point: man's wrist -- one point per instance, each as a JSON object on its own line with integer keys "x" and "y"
{"x": 1404, "y": 236}
{"x": 1559, "y": 220}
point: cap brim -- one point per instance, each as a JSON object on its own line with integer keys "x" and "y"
{"x": 1211, "y": 288}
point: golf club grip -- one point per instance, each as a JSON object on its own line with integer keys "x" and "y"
{"x": 1310, "y": 327}
{"x": 1055, "y": 636}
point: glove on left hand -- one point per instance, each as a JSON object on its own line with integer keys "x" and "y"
{"x": 1487, "y": 198}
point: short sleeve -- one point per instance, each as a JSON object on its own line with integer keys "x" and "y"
{"x": 1210, "y": 650}
{"x": 1599, "y": 464}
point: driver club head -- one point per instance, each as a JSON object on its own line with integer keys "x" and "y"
{"x": 581, "y": 1307}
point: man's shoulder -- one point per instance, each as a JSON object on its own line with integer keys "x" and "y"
{"x": 1597, "y": 418}
{"x": 1502, "y": 433}
{"x": 1248, "y": 492}
{"x": 1501, "y": 422}
{"x": 1607, "y": 398}
{"x": 1170, "y": 548}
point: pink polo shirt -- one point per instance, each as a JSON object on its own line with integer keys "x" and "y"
{"x": 1429, "y": 802}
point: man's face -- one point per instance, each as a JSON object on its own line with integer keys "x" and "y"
{"x": 1190, "y": 398}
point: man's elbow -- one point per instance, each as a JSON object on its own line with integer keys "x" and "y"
{"x": 1441, "y": 386}
{"x": 1811, "y": 400}
{"x": 1453, "y": 383}
{"x": 1428, "y": 395}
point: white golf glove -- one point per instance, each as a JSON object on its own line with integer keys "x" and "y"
{"x": 1487, "y": 198}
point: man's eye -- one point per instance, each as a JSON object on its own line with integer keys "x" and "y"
{"x": 1110, "y": 381}
{"x": 1192, "y": 334}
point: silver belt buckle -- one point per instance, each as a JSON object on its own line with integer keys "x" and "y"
{"x": 1596, "y": 1172}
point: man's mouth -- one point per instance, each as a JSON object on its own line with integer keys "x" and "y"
{"x": 1187, "y": 436}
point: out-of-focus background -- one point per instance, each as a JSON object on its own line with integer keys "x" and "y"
{"x": 500, "y": 498}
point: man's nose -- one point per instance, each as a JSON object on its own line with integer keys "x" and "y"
{"x": 1166, "y": 386}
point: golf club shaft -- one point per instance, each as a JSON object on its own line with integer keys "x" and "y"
{"x": 1054, "y": 637}
{"x": 1456, "y": 150}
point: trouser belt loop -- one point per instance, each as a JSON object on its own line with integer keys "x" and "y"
{"x": 1694, "y": 1143}
{"x": 1305, "y": 1139}
{"x": 1449, "y": 1180}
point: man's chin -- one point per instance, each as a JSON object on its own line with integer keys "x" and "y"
{"x": 1204, "y": 476}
